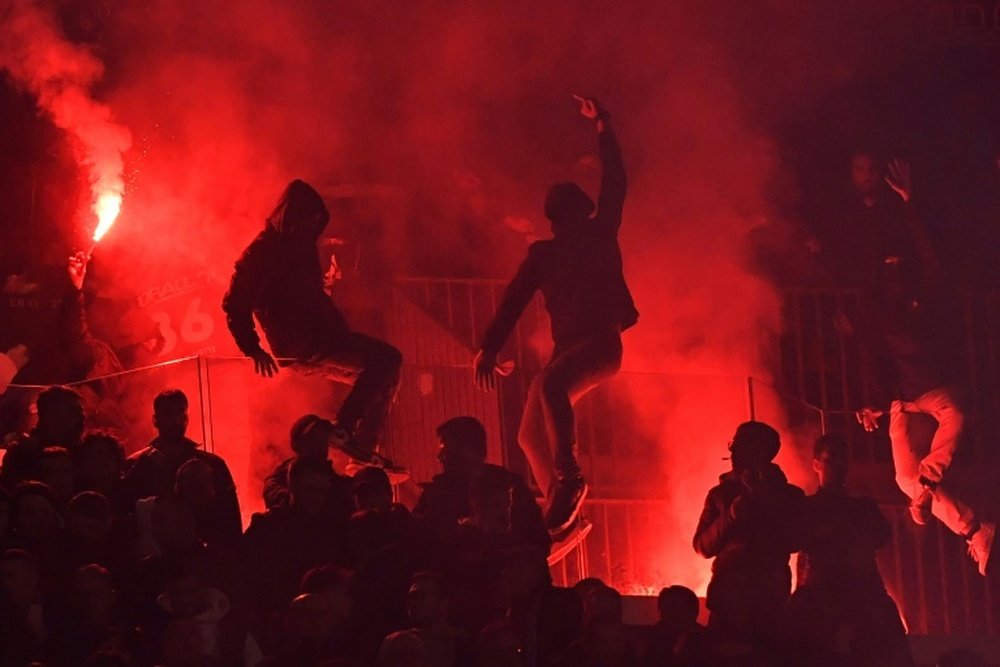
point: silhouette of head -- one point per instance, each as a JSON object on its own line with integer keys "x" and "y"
{"x": 830, "y": 460}
{"x": 93, "y": 594}
{"x": 300, "y": 213}
{"x": 99, "y": 460}
{"x": 372, "y": 489}
{"x": 33, "y": 512}
{"x": 19, "y": 577}
{"x": 89, "y": 518}
{"x": 755, "y": 444}
{"x": 678, "y": 606}
{"x": 463, "y": 446}
{"x": 566, "y": 206}
{"x": 332, "y": 583}
{"x": 865, "y": 176}
{"x": 60, "y": 416}
{"x": 170, "y": 414}
{"x": 602, "y": 607}
{"x": 310, "y": 437}
{"x": 57, "y": 471}
{"x": 309, "y": 484}
{"x": 427, "y": 600}
{"x": 195, "y": 483}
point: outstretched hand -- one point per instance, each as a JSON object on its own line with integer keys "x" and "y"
{"x": 868, "y": 418}
{"x": 898, "y": 178}
{"x": 486, "y": 371}
{"x": 264, "y": 364}
{"x": 589, "y": 107}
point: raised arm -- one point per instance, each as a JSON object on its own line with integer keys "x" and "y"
{"x": 614, "y": 184}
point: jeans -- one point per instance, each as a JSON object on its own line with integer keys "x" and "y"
{"x": 548, "y": 430}
{"x": 373, "y": 368}
{"x": 917, "y": 453}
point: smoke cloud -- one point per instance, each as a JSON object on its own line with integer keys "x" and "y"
{"x": 461, "y": 114}
{"x": 61, "y": 74}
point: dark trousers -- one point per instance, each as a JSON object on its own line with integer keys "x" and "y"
{"x": 373, "y": 368}
{"x": 548, "y": 430}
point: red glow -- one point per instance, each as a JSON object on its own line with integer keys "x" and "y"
{"x": 107, "y": 207}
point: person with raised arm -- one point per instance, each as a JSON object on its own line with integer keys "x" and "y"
{"x": 579, "y": 272}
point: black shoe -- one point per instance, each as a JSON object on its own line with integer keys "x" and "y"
{"x": 566, "y": 504}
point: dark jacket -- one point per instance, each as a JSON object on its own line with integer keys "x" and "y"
{"x": 279, "y": 280}
{"x": 579, "y": 271}
{"x": 282, "y": 544}
{"x": 276, "y": 491}
{"x": 753, "y": 550}
{"x": 842, "y": 534}
{"x": 151, "y": 472}
{"x": 445, "y": 501}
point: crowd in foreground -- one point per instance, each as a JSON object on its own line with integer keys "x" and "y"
{"x": 110, "y": 560}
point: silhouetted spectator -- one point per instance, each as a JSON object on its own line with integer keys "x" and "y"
{"x": 606, "y": 640}
{"x": 545, "y": 619}
{"x": 95, "y": 623}
{"x": 305, "y": 631}
{"x": 428, "y": 611}
{"x": 195, "y": 484}
{"x": 470, "y": 489}
{"x": 60, "y": 424}
{"x": 840, "y": 610}
{"x": 677, "y": 638}
{"x": 403, "y": 649}
{"x": 56, "y": 470}
{"x": 89, "y": 536}
{"x": 196, "y": 623}
{"x": 99, "y": 461}
{"x": 35, "y": 525}
{"x": 25, "y": 618}
{"x": 310, "y": 440}
{"x": 153, "y": 471}
{"x": 389, "y": 548}
{"x": 283, "y": 543}
{"x": 750, "y": 525}
{"x": 168, "y": 533}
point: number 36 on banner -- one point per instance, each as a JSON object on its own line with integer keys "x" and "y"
{"x": 195, "y": 327}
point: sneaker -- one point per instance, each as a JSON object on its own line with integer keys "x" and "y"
{"x": 343, "y": 440}
{"x": 920, "y": 507}
{"x": 981, "y": 543}
{"x": 566, "y": 504}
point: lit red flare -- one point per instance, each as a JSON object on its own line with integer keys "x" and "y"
{"x": 107, "y": 207}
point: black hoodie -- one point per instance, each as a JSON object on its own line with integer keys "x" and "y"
{"x": 279, "y": 280}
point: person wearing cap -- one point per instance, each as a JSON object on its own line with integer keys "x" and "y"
{"x": 310, "y": 440}
{"x": 751, "y": 524}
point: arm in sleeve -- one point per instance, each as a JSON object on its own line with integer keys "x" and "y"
{"x": 515, "y": 299}
{"x": 276, "y": 487}
{"x": 714, "y": 528}
{"x": 613, "y": 181}
{"x": 238, "y": 306}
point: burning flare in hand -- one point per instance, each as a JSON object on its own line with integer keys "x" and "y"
{"x": 107, "y": 207}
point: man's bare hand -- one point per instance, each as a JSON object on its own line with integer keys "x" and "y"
{"x": 899, "y": 178}
{"x": 868, "y": 418}
{"x": 589, "y": 107}
{"x": 486, "y": 371}
{"x": 264, "y": 364}
{"x": 19, "y": 355}
{"x": 77, "y": 269}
